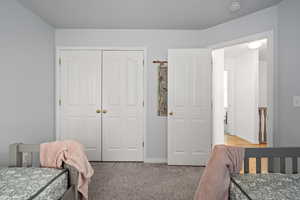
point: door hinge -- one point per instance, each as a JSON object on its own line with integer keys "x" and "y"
{"x": 143, "y": 144}
{"x": 143, "y": 104}
{"x": 59, "y": 60}
{"x": 59, "y": 102}
{"x": 143, "y": 63}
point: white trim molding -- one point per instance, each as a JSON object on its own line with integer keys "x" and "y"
{"x": 156, "y": 160}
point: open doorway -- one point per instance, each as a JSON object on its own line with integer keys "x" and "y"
{"x": 240, "y": 94}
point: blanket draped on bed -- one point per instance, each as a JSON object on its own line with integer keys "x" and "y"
{"x": 215, "y": 181}
{"x": 54, "y": 154}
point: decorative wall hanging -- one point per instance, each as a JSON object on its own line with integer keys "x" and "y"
{"x": 163, "y": 89}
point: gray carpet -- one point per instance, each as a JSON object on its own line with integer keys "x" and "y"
{"x": 140, "y": 181}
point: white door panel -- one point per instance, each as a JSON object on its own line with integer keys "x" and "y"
{"x": 189, "y": 102}
{"x": 246, "y": 96}
{"x": 123, "y": 101}
{"x": 80, "y": 96}
{"x": 230, "y": 109}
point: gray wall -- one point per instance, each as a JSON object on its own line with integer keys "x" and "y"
{"x": 157, "y": 42}
{"x": 289, "y": 72}
{"x": 26, "y": 78}
{"x": 27, "y": 72}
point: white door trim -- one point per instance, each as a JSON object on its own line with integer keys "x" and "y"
{"x": 58, "y": 83}
{"x": 272, "y": 73}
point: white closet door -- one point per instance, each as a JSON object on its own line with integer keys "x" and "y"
{"x": 122, "y": 106}
{"x": 81, "y": 97}
{"x": 189, "y": 106}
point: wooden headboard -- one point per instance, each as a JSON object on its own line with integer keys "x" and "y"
{"x": 282, "y": 153}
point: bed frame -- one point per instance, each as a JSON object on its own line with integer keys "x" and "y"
{"x": 16, "y": 154}
{"x": 281, "y": 153}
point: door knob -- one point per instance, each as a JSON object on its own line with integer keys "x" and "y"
{"x": 104, "y": 111}
{"x": 98, "y": 111}
{"x": 171, "y": 113}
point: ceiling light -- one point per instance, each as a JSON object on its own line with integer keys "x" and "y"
{"x": 256, "y": 44}
{"x": 235, "y": 6}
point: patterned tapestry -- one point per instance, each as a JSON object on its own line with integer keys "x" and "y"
{"x": 163, "y": 90}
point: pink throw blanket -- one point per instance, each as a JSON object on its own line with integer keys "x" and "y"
{"x": 53, "y": 155}
{"x": 215, "y": 181}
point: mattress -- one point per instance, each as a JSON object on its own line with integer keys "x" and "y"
{"x": 265, "y": 186}
{"x": 32, "y": 183}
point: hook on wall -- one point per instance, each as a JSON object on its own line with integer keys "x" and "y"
{"x": 160, "y": 62}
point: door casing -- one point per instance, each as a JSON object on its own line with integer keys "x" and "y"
{"x": 272, "y": 74}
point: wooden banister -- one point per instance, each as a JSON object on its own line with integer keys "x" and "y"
{"x": 262, "y": 135}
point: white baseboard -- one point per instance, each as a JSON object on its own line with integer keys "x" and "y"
{"x": 155, "y": 160}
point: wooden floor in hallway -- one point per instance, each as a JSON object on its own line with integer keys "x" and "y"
{"x": 233, "y": 140}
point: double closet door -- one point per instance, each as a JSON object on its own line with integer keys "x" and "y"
{"x": 101, "y": 95}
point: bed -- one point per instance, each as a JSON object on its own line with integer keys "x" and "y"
{"x": 32, "y": 183}
{"x": 280, "y": 183}
{"x": 35, "y": 183}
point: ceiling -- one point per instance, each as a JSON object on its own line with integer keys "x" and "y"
{"x": 141, "y": 14}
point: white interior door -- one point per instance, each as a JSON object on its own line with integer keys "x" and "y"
{"x": 80, "y": 99}
{"x": 122, "y": 105}
{"x": 230, "y": 110}
{"x": 246, "y": 95}
{"x": 189, "y": 106}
